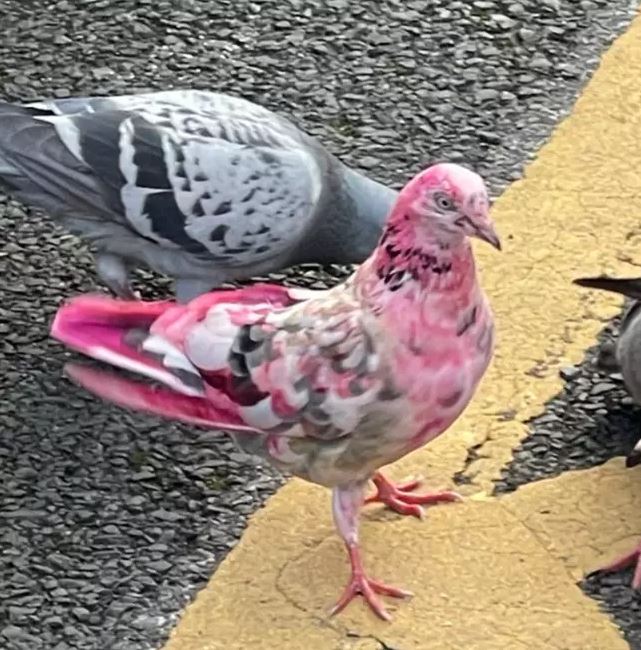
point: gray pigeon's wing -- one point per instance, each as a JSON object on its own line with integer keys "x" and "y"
{"x": 216, "y": 176}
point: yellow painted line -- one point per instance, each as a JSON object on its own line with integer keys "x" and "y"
{"x": 488, "y": 573}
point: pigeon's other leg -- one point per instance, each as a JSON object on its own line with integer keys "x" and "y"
{"x": 346, "y": 504}
{"x": 633, "y": 558}
{"x": 402, "y": 499}
{"x": 189, "y": 288}
{"x": 112, "y": 270}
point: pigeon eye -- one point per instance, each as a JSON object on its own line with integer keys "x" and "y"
{"x": 443, "y": 202}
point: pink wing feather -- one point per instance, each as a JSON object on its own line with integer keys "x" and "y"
{"x": 248, "y": 359}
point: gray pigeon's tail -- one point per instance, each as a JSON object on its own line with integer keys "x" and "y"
{"x": 630, "y": 287}
{"x": 37, "y": 168}
{"x": 9, "y": 171}
{"x": 11, "y": 178}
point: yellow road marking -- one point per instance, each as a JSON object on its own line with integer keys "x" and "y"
{"x": 488, "y": 573}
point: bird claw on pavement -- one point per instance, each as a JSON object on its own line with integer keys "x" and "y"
{"x": 360, "y": 584}
{"x": 402, "y": 499}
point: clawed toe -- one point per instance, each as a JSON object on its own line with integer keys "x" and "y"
{"x": 402, "y": 499}
{"x": 359, "y": 584}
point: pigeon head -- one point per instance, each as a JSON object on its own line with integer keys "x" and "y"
{"x": 449, "y": 202}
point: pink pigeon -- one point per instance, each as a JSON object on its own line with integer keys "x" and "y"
{"x": 326, "y": 385}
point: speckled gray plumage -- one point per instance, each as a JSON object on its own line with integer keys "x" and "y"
{"x": 200, "y": 186}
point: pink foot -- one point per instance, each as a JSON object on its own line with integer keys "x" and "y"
{"x": 402, "y": 499}
{"x": 359, "y": 583}
{"x": 623, "y": 562}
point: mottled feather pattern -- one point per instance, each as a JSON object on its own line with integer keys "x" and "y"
{"x": 179, "y": 173}
{"x": 181, "y": 180}
{"x": 313, "y": 364}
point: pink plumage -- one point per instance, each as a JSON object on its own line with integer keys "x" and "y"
{"x": 327, "y": 385}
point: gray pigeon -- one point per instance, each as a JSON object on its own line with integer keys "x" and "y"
{"x": 200, "y": 186}
{"x": 627, "y": 353}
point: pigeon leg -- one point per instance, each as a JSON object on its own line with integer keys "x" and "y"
{"x": 112, "y": 270}
{"x": 633, "y": 558}
{"x": 346, "y": 504}
{"x": 401, "y": 498}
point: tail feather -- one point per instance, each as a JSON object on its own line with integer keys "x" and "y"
{"x": 630, "y": 287}
{"x": 37, "y": 167}
{"x": 118, "y": 332}
{"x": 148, "y": 338}
{"x": 154, "y": 399}
{"x": 8, "y": 171}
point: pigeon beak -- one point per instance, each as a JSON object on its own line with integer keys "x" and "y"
{"x": 487, "y": 233}
{"x": 634, "y": 457}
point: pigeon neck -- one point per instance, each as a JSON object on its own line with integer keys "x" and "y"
{"x": 371, "y": 203}
{"x": 410, "y": 254}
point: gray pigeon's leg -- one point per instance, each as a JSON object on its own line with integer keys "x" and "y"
{"x": 112, "y": 270}
{"x": 189, "y": 288}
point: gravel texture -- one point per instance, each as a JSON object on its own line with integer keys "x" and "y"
{"x": 111, "y": 522}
